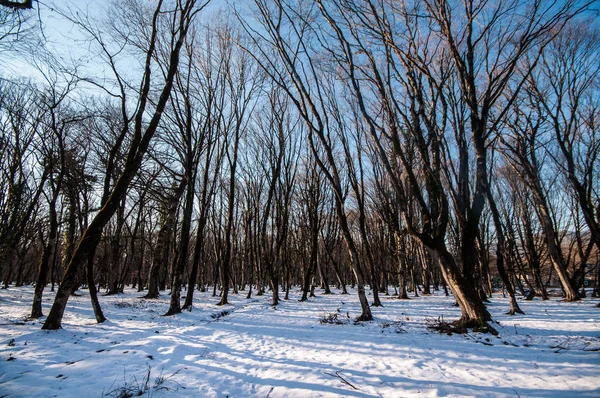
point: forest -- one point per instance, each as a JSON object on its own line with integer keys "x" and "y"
{"x": 275, "y": 147}
{"x": 292, "y": 198}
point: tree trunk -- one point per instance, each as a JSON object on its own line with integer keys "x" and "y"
{"x": 400, "y": 255}
{"x": 553, "y": 248}
{"x": 312, "y": 263}
{"x": 160, "y": 257}
{"x": 98, "y": 314}
{"x": 356, "y": 264}
{"x": 226, "y": 261}
{"x": 184, "y": 244}
{"x": 198, "y": 253}
{"x": 91, "y": 236}
{"x": 323, "y": 273}
{"x": 36, "y": 308}
{"x": 472, "y": 309}
{"x": 115, "y": 266}
{"x": 500, "y": 251}
{"x": 338, "y": 274}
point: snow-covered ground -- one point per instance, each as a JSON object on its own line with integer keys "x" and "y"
{"x": 255, "y": 350}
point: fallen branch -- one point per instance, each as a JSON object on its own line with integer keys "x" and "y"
{"x": 337, "y": 374}
{"x": 479, "y": 341}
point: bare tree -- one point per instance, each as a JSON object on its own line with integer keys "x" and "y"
{"x": 169, "y": 204}
{"x": 566, "y": 89}
{"x": 523, "y": 152}
{"x": 16, "y": 29}
{"x": 54, "y": 139}
{"x": 502, "y": 254}
{"x": 524, "y": 231}
{"x": 241, "y": 83}
{"x": 438, "y": 63}
{"x": 289, "y": 63}
{"x": 311, "y": 218}
{"x": 206, "y": 74}
{"x": 183, "y": 14}
{"x": 20, "y": 185}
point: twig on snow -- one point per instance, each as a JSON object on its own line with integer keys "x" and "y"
{"x": 337, "y": 374}
{"x": 479, "y": 341}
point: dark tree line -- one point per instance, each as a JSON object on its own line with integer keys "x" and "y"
{"x": 417, "y": 146}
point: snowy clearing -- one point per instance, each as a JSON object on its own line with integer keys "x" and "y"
{"x": 249, "y": 349}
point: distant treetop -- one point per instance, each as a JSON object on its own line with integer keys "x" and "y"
{"x": 17, "y": 5}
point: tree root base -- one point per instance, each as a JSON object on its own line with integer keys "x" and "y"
{"x": 171, "y": 312}
{"x": 460, "y": 326}
{"x": 364, "y": 318}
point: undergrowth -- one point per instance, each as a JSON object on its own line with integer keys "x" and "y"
{"x": 133, "y": 387}
{"x": 395, "y": 326}
{"x": 335, "y": 318}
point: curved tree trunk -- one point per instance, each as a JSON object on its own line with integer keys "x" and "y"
{"x": 472, "y": 308}
{"x": 141, "y": 140}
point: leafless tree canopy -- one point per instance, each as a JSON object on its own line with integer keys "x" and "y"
{"x": 401, "y": 148}
{"x": 17, "y": 5}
